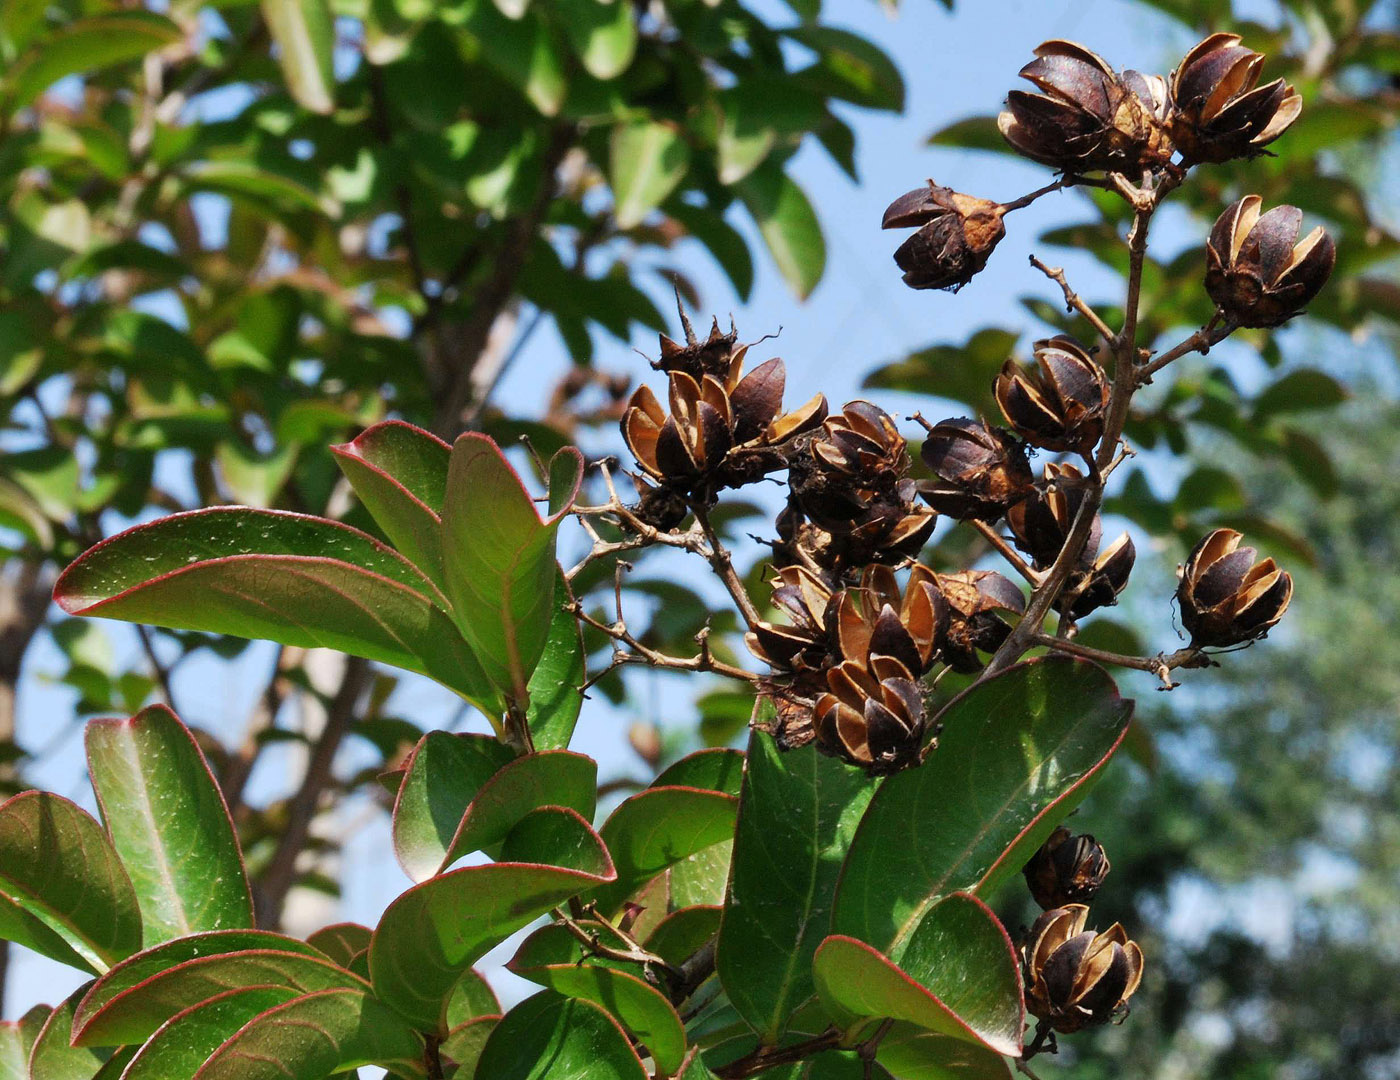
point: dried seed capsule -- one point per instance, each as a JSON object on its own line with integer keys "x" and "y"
{"x": 878, "y": 619}
{"x": 956, "y": 236}
{"x": 1099, "y": 585}
{"x": 1226, "y": 597}
{"x": 1074, "y": 977}
{"x": 1061, "y": 406}
{"x": 1087, "y": 117}
{"x": 1041, "y": 523}
{"x": 981, "y": 470}
{"x": 871, "y": 715}
{"x": 1067, "y": 869}
{"x": 1219, "y": 110}
{"x": 976, "y": 599}
{"x": 804, "y": 642}
{"x": 1257, "y": 270}
{"x": 697, "y": 358}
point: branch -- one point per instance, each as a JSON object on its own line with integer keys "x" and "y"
{"x": 766, "y": 1057}
{"x": 162, "y": 673}
{"x": 723, "y": 566}
{"x": 240, "y": 763}
{"x": 1007, "y": 552}
{"x": 1160, "y": 665}
{"x": 1201, "y": 341}
{"x": 1073, "y": 301}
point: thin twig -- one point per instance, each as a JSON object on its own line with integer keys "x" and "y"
{"x": 724, "y": 566}
{"x": 1201, "y": 341}
{"x": 1160, "y": 665}
{"x": 1007, "y": 552}
{"x": 1073, "y": 301}
{"x": 162, "y": 673}
{"x": 766, "y": 1057}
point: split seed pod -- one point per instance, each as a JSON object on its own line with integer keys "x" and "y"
{"x": 803, "y": 642}
{"x": 1087, "y": 117}
{"x": 976, "y": 601}
{"x": 1061, "y": 405}
{"x": 956, "y": 236}
{"x": 981, "y": 470}
{"x": 1219, "y": 109}
{"x": 1067, "y": 869}
{"x": 1257, "y": 270}
{"x": 1076, "y": 978}
{"x": 872, "y": 715}
{"x": 877, "y": 619}
{"x": 1228, "y": 598}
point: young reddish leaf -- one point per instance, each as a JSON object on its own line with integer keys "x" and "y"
{"x": 106, "y": 1018}
{"x": 639, "y": 1008}
{"x": 399, "y": 472}
{"x": 657, "y": 828}
{"x": 168, "y": 821}
{"x": 137, "y": 969}
{"x": 715, "y": 769}
{"x": 550, "y": 1035}
{"x": 471, "y": 997}
{"x": 499, "y": 559}
{"x": 346, "y": 943}
{"x": 552, "y": 777}
{"x": 1016, "y": 755}
{"x": 442, "y": 776}
{"x": 797, "y": 815}
{"x": 465, "y": 1042}
{"x": 316, "y": 1035}
{"x": 57, "y": 864}
{"x": 184, "y": 1042}
{"x": 435, "y": 931}
{"x": 289, "y": 578}
{"x": 17, "y": 1039}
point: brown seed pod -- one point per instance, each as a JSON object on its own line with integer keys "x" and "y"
{"x": 877, "y": 618}
{"x": 713, "y": 355}
{"x": 1228, "y": 598}
{"x": 1074, "y": 977}
{"x": 1099, "y": 585}
{"x": 981, "y": 470}
{"x": 805, "y": 640}
{"x": 871, "y": 715}
{"x": 976, "y": 599}
{"x": 1040, "y": 524}
{"x": 1219, "y": 110}
{"x": 1061, "y": 404}
{"x": 955, "y": 238}
{"x": 1257, "y": 270}
{"x": 1067, "y": 869}
{"x": 1086, "y": 117}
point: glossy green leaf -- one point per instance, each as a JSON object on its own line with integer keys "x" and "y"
{"x": 58, "y": 865}
{"x": 603, "y": 34}
{"x": 54, "y": 1057}
{"x": 122, "y": 1012}
{"x": 85, "y": 46}
{"x": 556, "y": 694}
{"x": 399, "y": 472}
{"x": 681, "y": 933}
{"x": 851, "y": 67}
{"x": 701, "y": 878}
{"x": 974, "y": 133}
{"x": 912, "y": 1053}
{"x": 168, "y": 822}
{"x": 552, "y": 958}
{"x": 442, "y": 776}
{"x": 184, "y": 1042}
{"x": 646, "y": 161}
{"x": 461, "y": 1049}
{"x": 552, "y": 1037}
{"x": 657, "y": 828}
{"x": 499, "y": 559}
{"x": 788, "y": 225}
{"x": 17, "y": 1039}
{"x": 713, "y": 769}
{"x": 347, "y": 944}
{"x": 19, "y": 926}
{"x": 435, "y": 931}
{"x": 304, "y": 31}
{"x": 723, "y": 241}
{"x": 316, "y": 1035}
{"x": 471, "y": 997}
{"x": 149, "y": 962}
{"x": 1016, "y": 755}
{"x": 289, "y": 578}
{"x": 797, "y": 814}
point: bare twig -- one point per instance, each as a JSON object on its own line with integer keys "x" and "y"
{"x": 264, "y": 715}
{"x": 766, "y": 1057}
{"x": 1073, "y": 301}
{"x": 724, "y": 566}
{"x": 1007, "y": 552}
{"x": 592, "y": 940}
{"x": 1201, "y": 341}
{"x": 162, "y": 673}
{"x": 1160, "y": 665}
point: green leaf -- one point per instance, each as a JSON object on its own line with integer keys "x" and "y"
{"x": 499, "y": 558}
{"x": 168, "y": 822}
{"x": 714, "y": 769}
{"x": 435, "y": 931}
{"x": 249, "y": 181}
{"x": 553, "y": 959}
{"x": 472, "y": 998}
{"x": 304, "y": 31}
{"x": 54, "y": 1057}
{"x": 556, "y": 686}
{"x": 788, "y": 225}
{"x": 1299, "y": 391}
{"x": 851, "y": 68}
{"x": 681, "y": 933}
{"x": 58, "y": 865}
{"x": 17, "y": 1039}
{"x": 184, "y": 1042}
{"x": 399, "y": 472}
{"x": 797, "y": 814}
{"x": 962, "y": 373}
{"x": 657, "y": 828}
{"x": 465, "y": 1042}
{"x": 84, "y": 47}
{"x": 602, "y": 33}
{"x": 646, "y": 161}
{"x": 974, "y": 133}
{"x": 133, "y": 1014}
{"x": 149, "y": 963}
{"x": 1016, "y": 755}
{"x": 316, "y": 1035}
{"x": 19, "y": 926}
{"x": 723, "y": 241}
{"x": 290, "y": 578}
{"x": 347, "y": 944}
{"x": 912, "y": 1053}
{"x": 552, "y": 1037}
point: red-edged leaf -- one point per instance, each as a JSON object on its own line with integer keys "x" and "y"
{"x": 550, "y": 1035}
{"x": 464, "y": 1043}
{"x": 347, "y": 944}
{"x": 170, "y": 825}
{"x": 17, "y": 1039}
{"x": 714, "y": 769}
{"x": 289, "y": 578}
{"x": 184, "y": 1042}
